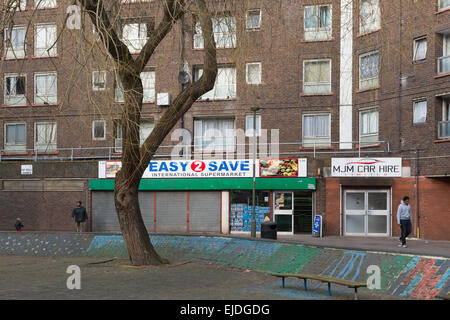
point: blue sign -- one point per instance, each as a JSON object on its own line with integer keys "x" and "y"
{"x": 317, "y": 229}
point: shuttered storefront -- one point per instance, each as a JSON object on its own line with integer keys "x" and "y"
{"x": 204, "y": 211}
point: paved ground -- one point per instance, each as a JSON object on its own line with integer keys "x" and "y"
{"x": 28, "y": 277}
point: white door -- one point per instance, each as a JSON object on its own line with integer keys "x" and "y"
{"x": 283, "y": 209}
{"x": 366, "y": 212}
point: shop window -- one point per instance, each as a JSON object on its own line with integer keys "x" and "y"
{"x": 316, "y": 130}
{"x": 369, "y": 16}
{"x": 45, "y": 41}
{"x": 214, "y": 135}
{"x": 368, "y": 127}
{"x": 15, "y": 90}
{"x": 420, "y": 112}
{"x": 45, "y": 136}
{"x": 317, "y": 23}
{"x": 317, "y": 76}
{"x": 45, "y": 88}
{"x": 225, "y": 85}
{"x": 14, "y": 45}
{"x": 241, "y": 209}
{"x": 368, "y": 71}
{"x": 15, "y": 137}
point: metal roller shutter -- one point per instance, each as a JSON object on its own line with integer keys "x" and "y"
{"x": 204, "y": 211}
{"x": 104, "y": 216}
{"x": 171, "y": 214}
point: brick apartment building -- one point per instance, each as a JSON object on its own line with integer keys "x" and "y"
{"x": 359, "y": 92}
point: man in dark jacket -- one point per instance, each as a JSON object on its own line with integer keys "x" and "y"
{"x": 79, "y": 215}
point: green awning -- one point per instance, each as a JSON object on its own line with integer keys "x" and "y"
{"x": 213, "y": 184}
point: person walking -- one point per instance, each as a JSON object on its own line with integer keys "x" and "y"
{"x": 19, "y": 225}
{"x": 404, "y": 220}
{"x": 79, "y": 215}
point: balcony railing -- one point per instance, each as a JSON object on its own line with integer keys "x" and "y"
{"x": 443, "y": 65}
{"x": 444, "y": 129}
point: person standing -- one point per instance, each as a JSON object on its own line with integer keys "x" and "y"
{"x": 404, "y": 220}
{"x": 19, "y": 225}
{"x": 79, "y": 215}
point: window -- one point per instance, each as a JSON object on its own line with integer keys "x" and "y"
{"x": 134, "y": 35}
{"x": 224, "y": 29}
{"x": 98, "y": 80}
{"x": 45, "y": 41}
{"x": 368, "y": 127}
{"x": 145, "y": 128}
{"x": 253, "y": 19}
{"x": 42, "y": 4}
{"x": 99, "y": 130}
{"x": 15, "y": 88}
{"x": 369, "y": 16}
{"x": 148, "y": 82}
{"x": 444, "y": 4}
{"x": 15, "y": 42}
{"x": 420, "y": 111}
{"x": 444, "y": 61}
{"x": 444, "y": 125}
{"x": 117, "y": 136}
{"x": 316, "y": 130}
{"x": 317, "y": 76}
{"x": 45, "y": 88}
{"x": 225, "y": 85}
{"x": 420, "y": 49}
{"x": 368, "y": 71}
{"x": 253, "y": 73}
{"x": 118, "y": 90}
{"x": 214, "y": 135}
{"x": 15, "y": 137}
{"x": 18, "y": 5}
{"x": 249, "y": 125}
{"x": 317, "y": 23}
{"x": 45, "y": 136}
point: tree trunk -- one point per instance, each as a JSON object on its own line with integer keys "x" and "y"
{"x": 136, "y": 237}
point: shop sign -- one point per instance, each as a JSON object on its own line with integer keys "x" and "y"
{"x": 26, "y": 169}
{"x": 226, "y": 168}
{"x": 366, "y": 167}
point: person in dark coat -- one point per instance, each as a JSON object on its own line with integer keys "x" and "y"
{"x": 79, "y": 215}
{"x": 19, "y": 225}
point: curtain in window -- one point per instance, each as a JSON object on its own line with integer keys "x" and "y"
{"x": 145, "y": 128}
{"x": 253, "y": 19}
{"x": 46, "y": 88}
{"x": 420, "y": 111}
{"x": 46, "y": 133}
{"x": 16, "y": 36}
{"x": 317, "y": 17}
{"x": 45, "y": 39}
{"x": 15, "y": 134}
{"x": 420, "y": 49}
{"x": 45, "y": 3}
{"x": 369, "y": 16}
{"x": 254, "y": 73}
{"x": 135, "y": 36}
{"x": 317, "y": 78}
{"x": 325, "y": 17}
{"x": 224, "y": 29}
{"x": 214, "y": 134}
{"x": 316, "y": 126}
{"x": 369, "y": 122}
{"x": 225, "y": 85}
{"x": 15, "y": 86}
{"x": 148, "y": 82}
{"x": 369, "y": 66}
{"x": 249, "y": 125}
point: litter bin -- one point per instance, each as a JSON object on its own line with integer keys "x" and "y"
{"x": 269, "y": 230}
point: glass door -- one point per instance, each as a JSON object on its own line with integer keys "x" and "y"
{"x": 283, "y": 209}
{"x": 366, "y": 212}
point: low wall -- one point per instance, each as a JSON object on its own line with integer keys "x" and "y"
{"x": 411, "y": 276}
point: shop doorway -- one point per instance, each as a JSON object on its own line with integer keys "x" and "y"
{"x": 293, "y": 211}
{"x": 366, "y": 212}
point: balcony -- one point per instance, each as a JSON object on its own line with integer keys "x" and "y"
{"x": 444, "y": 130}
{"x": 443, "y": 64}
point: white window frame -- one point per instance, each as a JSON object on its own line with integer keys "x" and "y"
{"x": 444, "y": 125}
{"x": 198, "y": 139}
{"x": 374, "y": 80}
{"x": 444, "y": 4}
{"x": 325, "y": 85}
{"x": 365, "y": 138}
{"x": 12, "y": 52}
{"x": 363, "y": 27}
{"x": 14, "y": 147}
{"x": 135, "y": 45}
{"x": 247, "y": 78}
{"x": 94, "y": 123}
{"x": 317, "y": 141}
{"x": 15, "y": 99}
{"x": 212, "y": 94}
{"x": 45, "y": 4}
{"x": 317, "y": 33}
{"x": 415, "y": 118}
{"x": 50, "y": 48}
{"x": 144, "y": 132}
{"x": 149, "y": 87}
{"x": 247, "y": 15}
{"x": 249, "y": 125}
{"x": 95, "y": 87}
{"x": 223, "y": 40}
{"x": 48, "y": 145}
{"x": 416, "y": 46}
{"x": 47, "y": 98}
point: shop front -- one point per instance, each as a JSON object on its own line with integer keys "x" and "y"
{"x": 209, "y": 200}
{"x": 365, "y": 195}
